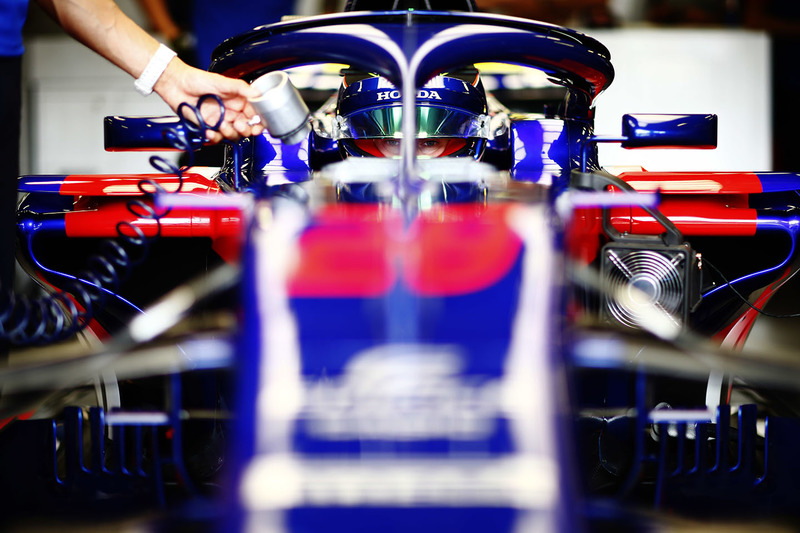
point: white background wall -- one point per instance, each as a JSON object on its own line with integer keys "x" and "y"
{"x": 70, "y": 90}
{"x": 720, "y": 71}
{"x": 67, "y": 91}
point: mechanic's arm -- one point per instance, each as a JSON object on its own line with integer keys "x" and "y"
{"x": 103, "y": 27}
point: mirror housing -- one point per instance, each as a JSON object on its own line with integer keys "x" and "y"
{"x": 669, "y": 131}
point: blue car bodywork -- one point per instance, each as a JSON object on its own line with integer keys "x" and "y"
{"x": 526, "y": 343}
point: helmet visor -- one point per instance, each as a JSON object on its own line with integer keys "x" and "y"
{"x": 386, "y": 122}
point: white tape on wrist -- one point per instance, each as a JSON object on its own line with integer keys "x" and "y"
{"x": 154, "y": 69}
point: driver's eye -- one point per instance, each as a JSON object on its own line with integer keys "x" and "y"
{"x": 430, "y": 147}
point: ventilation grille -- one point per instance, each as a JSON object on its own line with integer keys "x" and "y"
{"x": 643, "y": 278}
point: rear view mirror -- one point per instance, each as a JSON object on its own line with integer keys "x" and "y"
{"x": 669, "y": 131}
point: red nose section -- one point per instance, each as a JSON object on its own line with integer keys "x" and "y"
{"x": 363, "y": 251}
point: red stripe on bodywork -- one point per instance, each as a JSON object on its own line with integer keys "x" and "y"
{"x": 362, "y": 251}
{"x": 128, "y": 184}
{"x": 25, "y": 416}
{"x": 694, "y": 182}
{"x": 346, "y": 253}
{"x": 735, "y": 335}
{"x": 459, "y": 250}
{"x": 95, "y": 217}
{"x": 582, "y": 238}
{"x": 721, "y": 216}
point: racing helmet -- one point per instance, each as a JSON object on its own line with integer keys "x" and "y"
{"x": 451, "y": 117}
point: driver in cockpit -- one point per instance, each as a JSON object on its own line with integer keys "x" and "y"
{"x": 452, "y": 117}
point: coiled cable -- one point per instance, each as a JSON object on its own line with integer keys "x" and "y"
{"x": 63, "y": 313}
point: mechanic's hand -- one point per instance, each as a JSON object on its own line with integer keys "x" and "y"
{"x": 181, "y": 83}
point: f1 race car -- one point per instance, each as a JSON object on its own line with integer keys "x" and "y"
{"x": 415, "y": 306}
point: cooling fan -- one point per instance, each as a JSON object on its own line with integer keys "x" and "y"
{"x": 639, "y": 278}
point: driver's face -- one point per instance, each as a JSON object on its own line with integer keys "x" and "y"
{"x": 425, "y": 147}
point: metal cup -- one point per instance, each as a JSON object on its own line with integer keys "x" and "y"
{"x": 281, "y": 108}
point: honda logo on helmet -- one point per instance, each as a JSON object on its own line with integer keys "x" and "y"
{"x": 422, "y": 93}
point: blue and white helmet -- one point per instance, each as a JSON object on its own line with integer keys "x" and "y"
{"x": 451, "y": 112}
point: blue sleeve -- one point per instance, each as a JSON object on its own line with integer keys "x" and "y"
{"x": 12, "y": 18}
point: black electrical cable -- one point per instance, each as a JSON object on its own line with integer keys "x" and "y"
{"x": 63, "y": 313}
{"x": 745, "y": 300}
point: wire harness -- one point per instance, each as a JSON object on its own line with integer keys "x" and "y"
{"x": 61, "y": 314}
